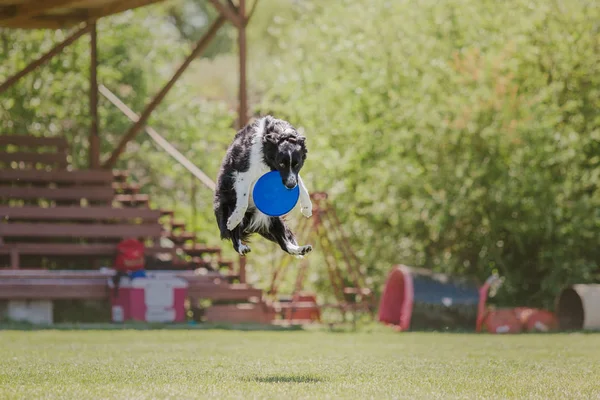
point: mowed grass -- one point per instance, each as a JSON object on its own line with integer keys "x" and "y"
{"x": 223, "y": 364}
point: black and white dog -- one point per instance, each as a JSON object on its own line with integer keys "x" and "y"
{"x": 267, "y": 144}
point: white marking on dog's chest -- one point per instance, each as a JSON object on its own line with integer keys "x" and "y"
{"x": 256, "y": 169}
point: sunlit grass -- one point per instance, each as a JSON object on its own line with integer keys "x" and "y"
{"x": 221, "y": 364}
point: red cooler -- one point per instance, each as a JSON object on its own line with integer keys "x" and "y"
{"x": 154, "y": 298}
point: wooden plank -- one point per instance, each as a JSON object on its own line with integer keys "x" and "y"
{"x": 98, "y": 213}
{"x": 95, "y": 274}
{"x": 95, "y": 193}
{"x": 132, "y": 198}
{"x": 41, "y": 176}
{"x": 33, "y": 141}
{"x": 51, "y": 289}
{"x": 25, "y": 11}
{"x": 15, "y": 274}
{"x": 107, "y": 231}
{"x": 203, "y": 290}
{"x": 83, "y": 11}
{"x": 228, "y": 12}
{"x": 35, "y": 158}
{"x": 73, "y": 249}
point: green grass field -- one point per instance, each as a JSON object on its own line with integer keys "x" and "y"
{"x": 222, "y": 364}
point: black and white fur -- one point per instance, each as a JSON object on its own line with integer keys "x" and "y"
{"x": 267, "y": 144}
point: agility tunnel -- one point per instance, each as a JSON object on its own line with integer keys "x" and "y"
{"x": 578, "y": 307}
{"x": 418, "y": 299}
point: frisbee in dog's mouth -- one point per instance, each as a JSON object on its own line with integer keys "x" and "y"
{"x": 272, "y": 197}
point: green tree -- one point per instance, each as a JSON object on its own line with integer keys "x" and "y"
{"x": 460, "y": 136}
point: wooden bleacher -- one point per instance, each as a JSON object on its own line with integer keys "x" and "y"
{"x": 53, "y": 218}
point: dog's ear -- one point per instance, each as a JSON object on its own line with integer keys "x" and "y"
{"x": 270, "y": 137}
{"x": 269, "y": 124}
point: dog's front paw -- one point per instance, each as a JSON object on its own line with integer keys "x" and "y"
{"x": 235, "y": 219}
{"x": 306, "y": 210}
{"x": 243, "y": 249}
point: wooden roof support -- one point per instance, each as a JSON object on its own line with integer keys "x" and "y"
{"x": 243, "y": 92}
{"x": 198, "y": 50}
{"x": 43, "y": 59}
{"x": 229, "y": 12}
{"x": 94, "y": 135}
{"x": 25, "y": 11}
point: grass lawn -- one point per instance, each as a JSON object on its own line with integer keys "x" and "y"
{"x": 222, "y": 364}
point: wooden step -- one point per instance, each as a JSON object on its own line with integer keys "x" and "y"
{"x": 200, "y": 249}
{"x": 83, "y": 177}
{"x": 120, "y": 175}
{"x": 53, "y": 288}
{"x": 126, "y": 188}
{"x": 133, "y": 200}
{"x": 223, "y": 291}
{"x": 34, "y": 141}
{"x": 165, "y": 212}
{"x": 54, "y": 159}
{"x": 73, "y": 213}
{"x": 68, "y": 193}
{"x": 88, "y": 230}
{"x": 179, "y": 238}
{"x": 177, "y": 225}
{"x": 240, "y": 313}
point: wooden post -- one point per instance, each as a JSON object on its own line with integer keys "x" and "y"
{"x": 242, "y": 108}
{"x": 198, "y": 50}
{"x": 94, "y": 136}
{"x": 43, "y": 59}
{"x": 228, "y": 12}
{"x": 243, "y": 94}
{"x": 194, "y": 200}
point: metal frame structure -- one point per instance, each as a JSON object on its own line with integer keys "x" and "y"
{"x": 325, "y": 230}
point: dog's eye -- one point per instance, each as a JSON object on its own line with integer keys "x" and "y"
{"x": 282, "y": 165}
{"x": 295, "y": 165}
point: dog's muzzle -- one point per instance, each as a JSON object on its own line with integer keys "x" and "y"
{"x": 291, "y": 184}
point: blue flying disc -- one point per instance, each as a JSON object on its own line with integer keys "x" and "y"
{"x": 271, "y": 197}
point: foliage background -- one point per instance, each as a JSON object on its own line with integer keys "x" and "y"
{"x": 462, "y": 136}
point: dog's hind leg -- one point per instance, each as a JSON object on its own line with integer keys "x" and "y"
{"x": 241, "y": 185}
{"x": 282, "y": 235}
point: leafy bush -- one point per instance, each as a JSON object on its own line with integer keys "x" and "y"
{"x": 462, "y": 136}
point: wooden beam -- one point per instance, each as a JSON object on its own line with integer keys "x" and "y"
{"x": 34, "y": 141}
{"x": 243, "y": 102}
{"x": 31, "y": 9}
{"x": 158, "y": 139}
{"x": 80, "y": 231}
{"x": 251, "y": 13}
{"x": 94, "y": 136}
{"x": 50, "y": 21}
{"x": 243, "y": 95}
{"x": 228, "y": 12}
{"x": 198, "y": 50}
{"x": 43, "y": 59}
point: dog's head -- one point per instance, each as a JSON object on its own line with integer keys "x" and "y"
{"x": 284, "y": 150}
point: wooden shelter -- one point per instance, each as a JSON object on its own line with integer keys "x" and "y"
{"x": 50, "y": 215}
{"x": 59, "y": 14}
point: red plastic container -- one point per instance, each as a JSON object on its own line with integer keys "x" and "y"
{"x": 149, "y": 299}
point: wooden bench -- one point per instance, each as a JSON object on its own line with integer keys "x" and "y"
{"x": 26, "y": 151}
{"x": 18, "y": 187}
{"x": 49, "y": 285}
{"x": 83, "y": 231}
